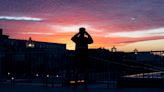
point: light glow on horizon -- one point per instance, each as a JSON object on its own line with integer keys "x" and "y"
{"x": 68, "y": 28}
{"x": 36, "y": 33}
{"x": 137, "y": 34}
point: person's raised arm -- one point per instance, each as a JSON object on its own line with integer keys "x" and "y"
{"x": 74, "y": 38}
{"x": 89, "y": 40}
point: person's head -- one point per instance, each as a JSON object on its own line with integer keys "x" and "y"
{"x": 82, "y": 30}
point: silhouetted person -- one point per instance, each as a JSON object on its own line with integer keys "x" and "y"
{"x": 82, "y": 39}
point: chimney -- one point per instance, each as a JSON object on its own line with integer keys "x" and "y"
{"x": 1, "y": 31}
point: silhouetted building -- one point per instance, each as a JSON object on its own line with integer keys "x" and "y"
{"x": 21, "y": 57}
{"x": 3, "y": 36}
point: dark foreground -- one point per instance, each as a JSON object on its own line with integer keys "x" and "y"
{"x": 92, "y": 88}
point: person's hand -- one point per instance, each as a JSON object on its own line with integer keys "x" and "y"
{"x": 86, "y": 33}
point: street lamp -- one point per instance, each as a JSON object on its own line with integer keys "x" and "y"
{"x": 48, "y": 76}
{"x": 163, "y": 54}
{"x": 8, "y": 73}
{"x": 12, "y": 81}
{"x": 57, "y": 76}
{"x": 135, "y": 51}
{"x": 12, "y": 78}
{"x": 114, "y": 49}
{"x": 30, "y": 43}
{"x": 37, "y": 75}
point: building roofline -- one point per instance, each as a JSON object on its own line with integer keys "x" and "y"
{"x": 38, "y": 41}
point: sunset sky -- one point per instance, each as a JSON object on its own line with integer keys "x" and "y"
{"x": 125, "y": 24}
